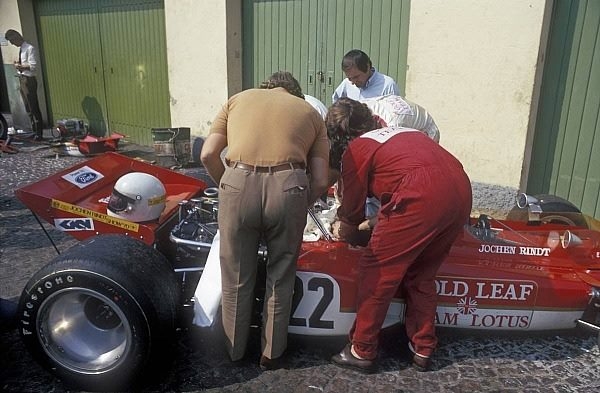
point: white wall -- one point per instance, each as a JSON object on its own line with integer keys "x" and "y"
{"x": 473, "y": 64}
{"x": 204, "y": 59}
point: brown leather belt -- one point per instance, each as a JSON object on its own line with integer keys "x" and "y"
{"x": 266, "y": 169}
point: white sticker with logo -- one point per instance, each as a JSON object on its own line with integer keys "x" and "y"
{"x": 74, "y": 224}
{"x": 83, "y": 176}
{"x": 384, "y": 134}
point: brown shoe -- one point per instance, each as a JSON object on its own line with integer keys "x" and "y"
{"x": 267, "y": 364}
{"x": 347, "y": 360}
{"x": 419, "y": 362}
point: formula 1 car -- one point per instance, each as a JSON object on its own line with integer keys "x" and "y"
{"x": 102, "y": 312}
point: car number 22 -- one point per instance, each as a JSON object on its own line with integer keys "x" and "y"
{"x": 316, "y": 306}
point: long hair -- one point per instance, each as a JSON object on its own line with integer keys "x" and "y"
{"x": 346, "y": 120}
{"x": 283, "y": 79}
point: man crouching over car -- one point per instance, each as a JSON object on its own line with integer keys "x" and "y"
{"x": 425, "y": 200}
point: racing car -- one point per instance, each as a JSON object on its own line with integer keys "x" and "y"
{"x": 103, "y": 312}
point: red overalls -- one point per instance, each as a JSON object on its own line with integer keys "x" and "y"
{"x": 425, "y": 201}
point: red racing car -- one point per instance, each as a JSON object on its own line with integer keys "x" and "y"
{"x": 105, "y": 310}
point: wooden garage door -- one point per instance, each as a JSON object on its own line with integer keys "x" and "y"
{"x": 566, "y": 149}
{"x": 310, "y": 37}
{"x": 105, "y": 62}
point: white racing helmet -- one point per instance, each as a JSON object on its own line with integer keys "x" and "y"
{"x": 137, "y": 197}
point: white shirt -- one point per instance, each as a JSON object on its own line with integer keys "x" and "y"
{"x": 399, "y": 112}
{"x": 28, "y": 56}
{"x": 317, "y": 104}
{"x": 377, "y": 85}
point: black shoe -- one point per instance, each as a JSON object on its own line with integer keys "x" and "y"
{"x": 267, "y": 364}
{"x": 347, "y": 360}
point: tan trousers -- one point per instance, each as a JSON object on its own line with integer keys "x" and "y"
{"x": 255, "y": 206}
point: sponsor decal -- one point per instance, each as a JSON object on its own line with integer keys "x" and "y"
{"x": 83, "y": 176}
{"x": 156, "y": 200}
{"x": 81, "y": 211}
{"x": 515, "y": 250}
{"x": 474, "y": 299}
{"x": 74, "y": 224}
{"x": 484, "y": 319}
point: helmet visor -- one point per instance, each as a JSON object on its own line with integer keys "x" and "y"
{"x": 119, "y": 202}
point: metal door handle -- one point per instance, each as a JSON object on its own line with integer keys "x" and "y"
{"x": 321, "y": 76}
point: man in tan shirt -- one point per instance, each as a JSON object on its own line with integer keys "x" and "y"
{"x": 276, "y": 166}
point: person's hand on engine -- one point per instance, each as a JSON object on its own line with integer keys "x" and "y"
{"x": 368, "y": 224}
{"x": 342, "y": 231}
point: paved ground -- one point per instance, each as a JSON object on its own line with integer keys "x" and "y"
{"x": 465, "y": 362}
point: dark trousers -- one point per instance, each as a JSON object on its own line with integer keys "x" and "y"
{"x": 28, "y": 89}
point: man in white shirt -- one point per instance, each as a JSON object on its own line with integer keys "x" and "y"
{"x": 362, "y": 79}
{"x": 393, "y": 110}
{"x": 26, "y": 66}
{"x": 317, "y": 104}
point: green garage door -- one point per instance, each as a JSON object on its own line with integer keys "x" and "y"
{"x": 310, "y": 37}
{"x": 105, "y": 62}
{"x": 566, "y": 150}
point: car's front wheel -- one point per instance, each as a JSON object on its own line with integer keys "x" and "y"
{"x": 101, "y": 313}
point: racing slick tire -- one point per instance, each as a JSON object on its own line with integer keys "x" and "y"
{"x": 555, "y": 210}
{"x": 101, "y": 313}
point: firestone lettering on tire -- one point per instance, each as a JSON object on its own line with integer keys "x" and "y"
{"x": 41, "y": 289}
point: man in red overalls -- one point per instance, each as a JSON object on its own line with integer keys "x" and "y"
{"x": 425, "y": 201}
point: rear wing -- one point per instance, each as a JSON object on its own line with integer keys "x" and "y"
{"x": 75, "y": 199}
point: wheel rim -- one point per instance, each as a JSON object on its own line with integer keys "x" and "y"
{"x": 83, "y": 331}
{"x": 558, "y": 219}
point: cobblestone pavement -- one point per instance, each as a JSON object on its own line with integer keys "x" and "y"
{"x": 464, "y": 362}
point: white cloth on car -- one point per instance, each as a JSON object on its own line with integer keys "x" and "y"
{"x": 207, "y": 297}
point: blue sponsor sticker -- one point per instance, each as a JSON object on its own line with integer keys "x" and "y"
{"x": 74, "y": 224}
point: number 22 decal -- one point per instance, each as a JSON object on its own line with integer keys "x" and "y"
{"x": 320, "y": 285}
{"x": 316, "y": 307}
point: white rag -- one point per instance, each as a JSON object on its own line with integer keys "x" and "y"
{"x": 207, "y": 297}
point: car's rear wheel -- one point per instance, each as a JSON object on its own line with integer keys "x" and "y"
{"x": 101, "y": 313}
{"x": 555, "y": 209}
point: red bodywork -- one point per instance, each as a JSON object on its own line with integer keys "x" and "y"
{"x": 513, "y": 276}
{"x": 96, "y": 145}
{"x": 528, "y": 283}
